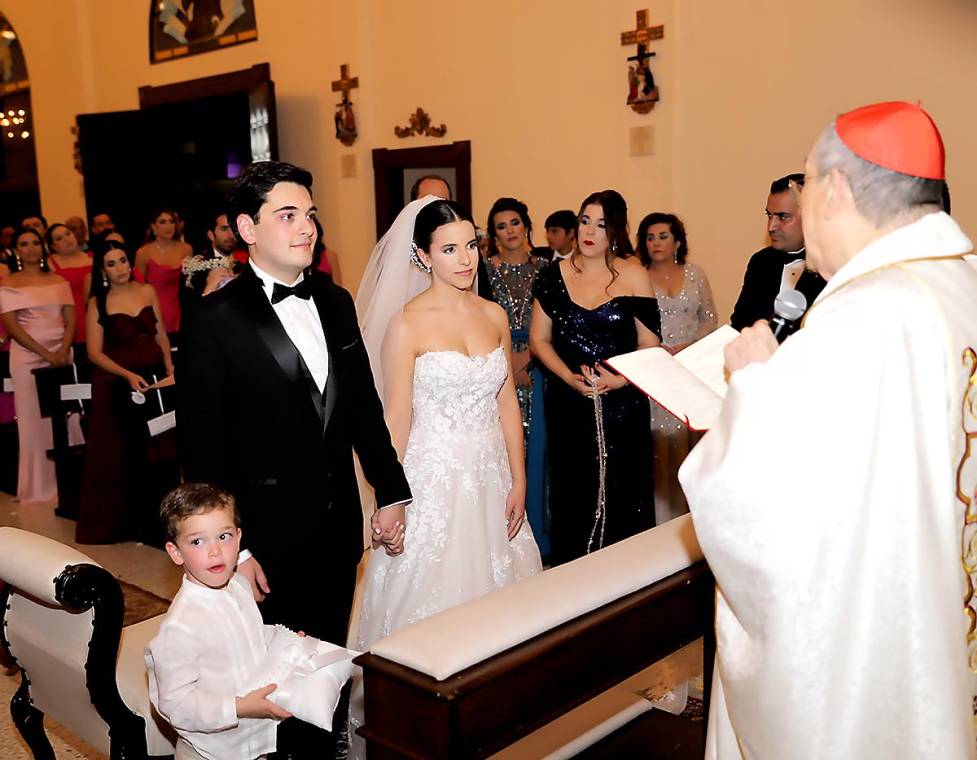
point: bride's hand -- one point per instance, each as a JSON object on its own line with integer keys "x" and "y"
{"x": 515, "y": 510}
{"x": 389, "y": 525}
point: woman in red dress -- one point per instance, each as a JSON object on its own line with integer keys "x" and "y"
{"x": 159, "y": 262}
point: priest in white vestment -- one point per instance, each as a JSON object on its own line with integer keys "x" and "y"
{"x": 835, "y": 497}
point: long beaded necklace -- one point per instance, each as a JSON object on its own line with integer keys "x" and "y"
{"x": 600, "y": 514}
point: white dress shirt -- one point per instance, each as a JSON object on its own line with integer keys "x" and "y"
{"x": 302, "y": 324}
{"x": 207, "y": 649}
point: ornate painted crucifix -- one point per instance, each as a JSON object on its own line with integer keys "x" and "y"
{"x": 344, "y": 117}
{"x": 642, "y": 92}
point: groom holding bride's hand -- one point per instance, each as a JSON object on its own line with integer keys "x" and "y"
{"x": 276, "y": 393}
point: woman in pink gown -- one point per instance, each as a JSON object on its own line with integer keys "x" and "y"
{"x": 159, "y": 262}
{"x": 6, "y": 397}
{"x": 69, "y": 261}
{"x": 39, "y": 316}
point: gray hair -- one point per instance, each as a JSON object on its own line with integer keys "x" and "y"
{"x": 881, "y": 195}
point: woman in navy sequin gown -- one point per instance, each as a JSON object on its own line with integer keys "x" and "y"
{"x": 587, "y": 308}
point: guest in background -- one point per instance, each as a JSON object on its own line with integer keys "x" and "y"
{"x": 7, "y": 238}
{"x": 159, "y": 263}
{"x": 36, "y": 222}
{"x": 99, "y": 242}
{"x": 210, "y": 269}
{"x": 73, "y": 265}
{"x": 6, "y": 397}
{"x": 128, "y": 346}
{"x": 512, "y": 267}
{"x": 781, "y": 266}
{"x": 102, "y": 222}
{"x": 561, "y": 233}
{"x": 325, "y": 259}
{"x": 77, "y": 225}
{"x": 436, "y": 185}
{"x": 688, "y": 313}
{"x": 39, "y": 316}
{"x": 512, "y": 270}
{"x": 590, "y": 307}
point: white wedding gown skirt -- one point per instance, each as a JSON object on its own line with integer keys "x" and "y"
{"x": 456, "y": 546}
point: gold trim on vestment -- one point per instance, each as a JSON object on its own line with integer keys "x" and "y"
{"x": 968, "y": 536}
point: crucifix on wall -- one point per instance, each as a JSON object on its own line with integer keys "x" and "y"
{"x": 345, "y": 118}
{"x": 642, "y": 91}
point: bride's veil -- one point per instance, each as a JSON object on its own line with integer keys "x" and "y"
{"x": 389, "y": 281}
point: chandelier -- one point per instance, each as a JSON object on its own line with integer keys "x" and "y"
{"x": 14, "y": 123}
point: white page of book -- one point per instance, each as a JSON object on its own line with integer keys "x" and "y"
{"x": 690, "y": 385}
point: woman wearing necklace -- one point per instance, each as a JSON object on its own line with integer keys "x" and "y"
{"x": 39, "y": 318}
{"x": 512, "y": 267}
{"x": 587, "y": 308}
{"x": 159, "y": 262}
{"x": 688, "y": 314}
{"x": 512, "y": 270}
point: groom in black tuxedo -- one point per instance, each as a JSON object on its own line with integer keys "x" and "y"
{"x": 275, "y": 394}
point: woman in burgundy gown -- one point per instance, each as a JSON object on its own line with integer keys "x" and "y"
{"x": 128, "y": 346}
{"x": 75, "y": 266}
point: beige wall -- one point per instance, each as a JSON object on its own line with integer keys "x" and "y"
{"x": 539, "y": 89}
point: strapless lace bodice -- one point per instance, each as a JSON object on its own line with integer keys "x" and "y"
{"x": 454, "y": 392}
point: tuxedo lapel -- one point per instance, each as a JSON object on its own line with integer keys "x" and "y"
{"x": 273, "y": 335}
{"x": 332, "y": 378}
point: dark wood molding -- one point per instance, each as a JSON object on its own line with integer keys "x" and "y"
{"x": 244, "y": 80}
{"x": 487, "y": 707}
{"x": 388, "y": 170}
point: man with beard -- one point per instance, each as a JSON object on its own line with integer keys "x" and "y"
{"x": 781, "y": 266}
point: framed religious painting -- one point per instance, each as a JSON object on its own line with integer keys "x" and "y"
{"x": 178, "y": 28}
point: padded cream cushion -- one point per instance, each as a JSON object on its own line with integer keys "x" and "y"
{"x": 30, "y": 562}
{"x": 462, "y": 636}
{"x": 130, "y": 673}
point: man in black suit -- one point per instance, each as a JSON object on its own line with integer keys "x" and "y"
{"x": 781, "y": 265}
{"x": 276, "y": 392}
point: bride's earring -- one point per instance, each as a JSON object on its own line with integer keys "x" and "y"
{"x": 675, "y": 255}
{"x": 416, "y": 259}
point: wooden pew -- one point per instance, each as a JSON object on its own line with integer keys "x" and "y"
{"x": 68, "y": 460}
{"x": 472, "y": 680}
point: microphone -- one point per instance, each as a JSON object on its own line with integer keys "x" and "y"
{"x": 788, "y": 307}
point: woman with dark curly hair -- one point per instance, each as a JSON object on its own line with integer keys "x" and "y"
{"x": 589, "y": 307}
{"x": 688, "y": 314}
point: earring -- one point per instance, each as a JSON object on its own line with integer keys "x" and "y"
{"x": 416, "y": 260}
{"x": 20, "y": 264}
{"x": 105, "y": 279}
{"x": 675, "y": 255}
{"x": 614, "y": 248}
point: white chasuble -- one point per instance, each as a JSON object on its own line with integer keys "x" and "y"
{"x": 830, "y": 501}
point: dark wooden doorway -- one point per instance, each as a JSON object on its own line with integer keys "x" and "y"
{"x": 181, "y": 149}
{"x": 394, "y": 171}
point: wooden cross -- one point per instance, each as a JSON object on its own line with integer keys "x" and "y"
{"x": 642, "y": 36}
{"x": 345, "y": 84}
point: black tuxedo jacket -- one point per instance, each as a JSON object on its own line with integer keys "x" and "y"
{"x": 252, "y": 420}
{"x": 761, "y": 284}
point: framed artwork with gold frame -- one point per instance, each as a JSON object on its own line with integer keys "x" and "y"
{"x": 178, "y": 28}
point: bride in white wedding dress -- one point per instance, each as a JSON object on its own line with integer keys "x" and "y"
{"x": 454, "y": 418}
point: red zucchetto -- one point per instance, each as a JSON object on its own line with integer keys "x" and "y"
{"x": 898, "y": 136}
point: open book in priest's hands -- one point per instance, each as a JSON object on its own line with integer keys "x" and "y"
{"x": 691, "y": 384}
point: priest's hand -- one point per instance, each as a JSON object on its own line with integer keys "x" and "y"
{"x": 754, "y": 344}
{"x": 251, "y": 570}
{"x": 389, "y": 526}
{"x": 255, "y": 704}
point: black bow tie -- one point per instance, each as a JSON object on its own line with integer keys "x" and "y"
{"x": 303, "y": 290}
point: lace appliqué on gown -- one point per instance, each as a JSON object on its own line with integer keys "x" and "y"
{"x": 456, "y": 546}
